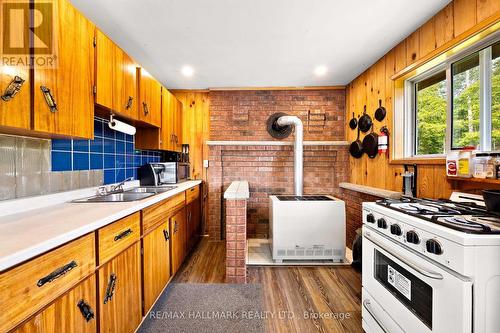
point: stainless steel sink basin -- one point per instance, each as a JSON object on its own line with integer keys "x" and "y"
{"x": 154, "y": 190}
{"x": 117, "y": 197}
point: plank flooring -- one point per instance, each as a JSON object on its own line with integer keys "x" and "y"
{"x": 297, "y": 299}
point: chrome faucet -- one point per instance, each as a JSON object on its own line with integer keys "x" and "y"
{"x": 119, "y": 187}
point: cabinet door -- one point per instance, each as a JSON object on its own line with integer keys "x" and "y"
{"x": 63, "y": 96}
{"x": 105, "y": 70}
{"x": 178, "y": 236}
{"x": 193, "y": 223}
{"x": 150, "y": 99}
{"x": 15, "y": 100}
{"x": 74, "y": 312}
{"x": 178, "y": 126}
{"x": 156, "y": 263}
{"x": 167, "y": 126}
{"x": 120, "y": 292}
{"x": 126, "y": 104}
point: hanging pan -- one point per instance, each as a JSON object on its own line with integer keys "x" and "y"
{"x": 381, "y": 112}
{"x": 356, "y": 148}
{"x": 365, "y": 122}
{"x": 370, "y": 144}
{"x": 353, "y": 123}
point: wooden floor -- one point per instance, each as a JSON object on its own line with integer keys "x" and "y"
{"x": 301, "y": 299}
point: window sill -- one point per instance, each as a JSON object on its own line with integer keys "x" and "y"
{"x": 423, "y": 161}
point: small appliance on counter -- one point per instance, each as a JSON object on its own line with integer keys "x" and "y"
{"x": 410, "y": 180}
{"x": 162, "y": 173}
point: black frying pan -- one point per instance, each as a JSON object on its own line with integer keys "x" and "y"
{"x": 356, "y": 148}
{"x": 381, "y": 112}
{"x": 353, "y": 123}
{"x": 370, "y": 144}
{"x": 365, "y": 122}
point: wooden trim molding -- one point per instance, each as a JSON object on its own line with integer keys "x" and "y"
{"x": 423, "y": 161}
{"x": 278, "y": 88}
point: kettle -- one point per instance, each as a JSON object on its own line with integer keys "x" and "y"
{"x": 410, "y": 180}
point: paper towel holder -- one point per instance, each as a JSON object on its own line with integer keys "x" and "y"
{"x": 120, "y": 126}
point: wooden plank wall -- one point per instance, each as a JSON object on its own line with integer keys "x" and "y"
{"x": 457, "y": 18}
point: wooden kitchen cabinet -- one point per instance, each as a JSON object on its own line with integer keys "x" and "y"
{"x": 156, "y": 263}
{"x": 171, "y": 128}
{"x": 193, "y": 217}
{"x": 15, "y": 111}
{"x": 178, "y": 230}
{"x": 177, "y": 123}
{"x": 63, "y": 95}
{"x": 116, "y": 81}
{"x": 119, "y": 292}
{"x": 149, "y": 107}
{"x": 73, "y": 312}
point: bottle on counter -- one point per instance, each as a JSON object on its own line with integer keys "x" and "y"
{"x": 496, "y": 159}
{"x": 465, "y": 165}
{"x": 480, "y": 162}
{"x": 452, "y": 163}
{"x": 491, "y": 166}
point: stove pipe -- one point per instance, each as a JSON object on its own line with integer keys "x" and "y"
{"x": 298, "y": 156}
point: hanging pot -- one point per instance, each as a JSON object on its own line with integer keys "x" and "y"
{"x": 356, "y": 148}
{"x": 365, "y": 122}
{"x": 381, "y": 112}
{"x": 370, "y": 144}
{"x": 353, "y": 123}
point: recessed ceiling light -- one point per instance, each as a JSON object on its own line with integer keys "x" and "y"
{"x": 187, "y": 71}
{"x": 320, "y": 70}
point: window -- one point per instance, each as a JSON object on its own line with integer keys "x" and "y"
{"x": 455, "y": 104}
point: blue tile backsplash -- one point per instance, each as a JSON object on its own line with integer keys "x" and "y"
{"x": 110, "y": 151}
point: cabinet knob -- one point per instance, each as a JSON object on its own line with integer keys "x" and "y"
{"x": 123, "y": 234}
{"x": 86, "y": 310}
{"x": 145, "y": 108}
{"x": 57, "y": 273}
{"x": 129, "y": 103}
{"x": 110, "y": 289}
{"x": 166, "y": 235}
{"x": 13, "y": 88}
{"x": 49, "y": 99}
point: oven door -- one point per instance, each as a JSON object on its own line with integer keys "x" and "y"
{"x": 416, "y": 294}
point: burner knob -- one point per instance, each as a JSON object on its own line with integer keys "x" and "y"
{"x": 433, "y": 246}
{"x": 396, "y": 230}
{"x": 381, "y": 223}
{"x": 370, "y": 218}
{"x": 412, "y": 237}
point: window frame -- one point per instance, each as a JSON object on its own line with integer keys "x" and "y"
{"x": 485, "y": 91}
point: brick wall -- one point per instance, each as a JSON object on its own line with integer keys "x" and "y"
{"x": 242, "y": 115}
{"x": 354, "y": 216}
{"x": 236, "y": 244}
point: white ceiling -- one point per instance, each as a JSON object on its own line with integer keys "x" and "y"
{"x": 259, "y": 43}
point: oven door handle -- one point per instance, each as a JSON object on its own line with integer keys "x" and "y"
{"x": 367, "y": 306}
{"x": 423, "y": 271}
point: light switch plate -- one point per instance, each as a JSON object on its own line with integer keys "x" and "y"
{"x": 205, "y": 163}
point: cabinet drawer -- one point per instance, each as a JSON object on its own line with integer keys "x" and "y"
{"x": 154, "y": 215}
{"x": 29, "y": 287}
{"x": 117, "y": 236}
{"x": 192, "y": 194}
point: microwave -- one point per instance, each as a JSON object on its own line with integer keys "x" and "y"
{"x": 161, "y": 173}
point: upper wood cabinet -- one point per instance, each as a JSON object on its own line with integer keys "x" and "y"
{"x": 116, "y": 78}
{"x": 171, "y": 127}
{"x": 15, "y": 97}
{"x": 149, "y": 106}
{"x": 63, "y": 95}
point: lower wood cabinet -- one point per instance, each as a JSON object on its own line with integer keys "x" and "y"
{"x": 156, "y": 263}
{"x": 193, "y": 211}
{"x": 119, "y": 292}
{"x": 74, "y": 312}
{"x": 178, "y": 229}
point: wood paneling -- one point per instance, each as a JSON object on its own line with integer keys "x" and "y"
{"x": 71, "y": 81}
{"x": 117, "y": 236}
{"x": 195, "y": 128}
{"x": 122, "y": 313}
{"x": 64, "y": 315}
{"x": 375, "y": 83}
{"x": 24, "y": 282}
{"x": 156, "y": 263}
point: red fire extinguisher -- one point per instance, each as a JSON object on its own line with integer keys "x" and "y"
{"x": 383, "y": 141}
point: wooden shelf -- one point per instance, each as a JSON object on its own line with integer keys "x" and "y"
{"x": 475, "y": 180}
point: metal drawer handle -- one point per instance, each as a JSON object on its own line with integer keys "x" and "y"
{"x": 175, "y": 226}
{"x": 123, "y": 234}
{"x": 13, "y": 88}
{"x": 166, "y": 234}
{"x": 367, "y": 306}
{"x": 86, "y": 310}
{"x": 51, "y": 102}
{"x": 129, "y": 103}
{"x": 190, "y": 215}
{"x": 57, "y": 273}
{"x": 145, "y": 107}
{"x": 110, "y": 289}
{"x": 416, "y": 267}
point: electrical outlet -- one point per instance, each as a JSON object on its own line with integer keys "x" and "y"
{"x": 205, "y": 163}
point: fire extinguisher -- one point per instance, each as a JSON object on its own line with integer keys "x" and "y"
{"x": 383, "y": 141}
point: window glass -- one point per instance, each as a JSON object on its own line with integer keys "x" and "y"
{"x": 495, "y": 97}
{"x": 430, "y": 117}
{"x": 465, "y": 107}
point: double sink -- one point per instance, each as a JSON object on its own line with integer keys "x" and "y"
{"x": 134, "y": 194}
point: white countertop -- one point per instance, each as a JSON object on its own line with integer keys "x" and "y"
{"x": 27, "y": 234}
{"x": 237, "y": 190}
{"x": 374, "y": 191}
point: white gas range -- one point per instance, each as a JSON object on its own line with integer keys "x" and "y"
{"x": 430, "y": 266}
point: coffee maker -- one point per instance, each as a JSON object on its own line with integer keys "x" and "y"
{"x": 410, "y": 180}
